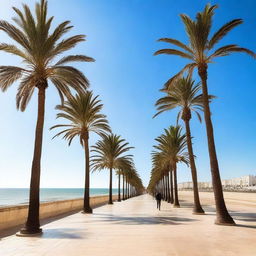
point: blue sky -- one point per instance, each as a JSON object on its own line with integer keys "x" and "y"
{"x": 121, "y": 36}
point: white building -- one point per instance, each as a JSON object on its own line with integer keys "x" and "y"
{"x": 241, "y": 182}
{"x": 244, "y": 181}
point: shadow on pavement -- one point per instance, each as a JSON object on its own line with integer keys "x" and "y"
{"x": 142, "y": 220}
{"x": 63, "y": 233}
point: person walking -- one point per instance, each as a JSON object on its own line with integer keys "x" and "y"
{"x": 158, "y": 200}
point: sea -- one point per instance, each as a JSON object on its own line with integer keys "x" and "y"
{"x": 18, "y": 196}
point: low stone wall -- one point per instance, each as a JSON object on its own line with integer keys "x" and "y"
{"x": 16, "y": 215}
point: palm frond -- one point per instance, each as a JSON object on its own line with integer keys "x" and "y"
{"x": 174, "y": 52}
{"x": 223, "y": 31}
{"x": 72, "y": 58}
{"x": 14, "y": 50}
{"x": 228, "y": 49}
{"x": 25, "y": 91}
{"x": 177, "y": 43}
{"x": 66, "y": 45}
{"x": 189, "y": 67}
{"x": 8, "y": 75}
{"x": 15, "y": 34}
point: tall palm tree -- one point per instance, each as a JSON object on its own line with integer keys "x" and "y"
{"x": 200, "y": 51}
{"x": 38, "y": 44}
{"x": 83, "y": 111}
{"x": 109, "y": 154}
{"x": 184, "y": 95}
{"x": 171, "y": 145}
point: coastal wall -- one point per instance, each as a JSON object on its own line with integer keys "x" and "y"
{"x": 16, "y": 215}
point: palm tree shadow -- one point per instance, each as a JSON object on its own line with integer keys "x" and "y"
{"x": 244, "y": 216}
{"x": 209, "y": 209}
{"x": 63, "y": 233}
{"x": 246, "y": 226}
{"x": 148, "y": 220}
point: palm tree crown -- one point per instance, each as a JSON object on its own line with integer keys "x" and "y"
{"x": 200, "y": 49}
{"x": 172, "y": 145}
{"x": 109, "y": 152}
{"x": 183, "y": 94}
{"x": 83, "y": 111}
{"x": 38, "y": 48}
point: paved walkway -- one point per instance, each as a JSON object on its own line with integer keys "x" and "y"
{"x": 135, "y": 227}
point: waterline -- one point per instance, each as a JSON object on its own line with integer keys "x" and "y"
{"x": 17, "y": 196}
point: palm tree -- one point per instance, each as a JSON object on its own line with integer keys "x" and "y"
{"x": 83, "y": 111}
{"x": 119, "y": 173}
{"x": 171, "y": 186}
{"x": 109, "y": 154}
{"x": 131, "y": 178}
{"x": 38, "y": 45}
{"x": 184, "y": 95}
{"x": 171, "y": 146}
{"x": 200, "y": 51}
{"x": 123, "y": 196}
{"x": 161, "y": 166}
{"x": 134, "y": 183}
{"x": 123, "y": 169}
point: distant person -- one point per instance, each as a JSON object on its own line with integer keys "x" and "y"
{"x": 158, "y": 200}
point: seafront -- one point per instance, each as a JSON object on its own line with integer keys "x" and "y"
{"x": 135, "y": 227}
{"x": 13, "y": 216}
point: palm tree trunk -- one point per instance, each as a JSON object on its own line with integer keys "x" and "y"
{"x": 168, "y": 189}
{"x": 176, "y": 199}
{"x": 87, "y": 208}
{"x": 32, "y": 225}
{"x": 119, "y": 193}
{"x": 171, "y": 181}
{"x": 162, "y": 186}
{"x": 223, "y": 217}
{"x": 197, "y": 206}
{"x": 126, "y": 188}
{"x": 110, "y": 201}
{"x": 123, "y": 187}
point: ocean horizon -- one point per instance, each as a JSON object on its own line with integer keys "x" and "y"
{"x": 19, "y": 196}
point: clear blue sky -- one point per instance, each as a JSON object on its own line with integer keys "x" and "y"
{"x": 121, "y": 36}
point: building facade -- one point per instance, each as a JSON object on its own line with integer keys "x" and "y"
{"x": 241, "y": 182}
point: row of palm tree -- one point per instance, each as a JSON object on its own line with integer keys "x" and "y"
{"x": 200, "y": 51}
{"x": 169, "y": 151}
{"x": 38, "y": 44}
{"x": 185, "y": 96}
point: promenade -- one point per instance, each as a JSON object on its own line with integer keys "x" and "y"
{"x": 136, "y": 227}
